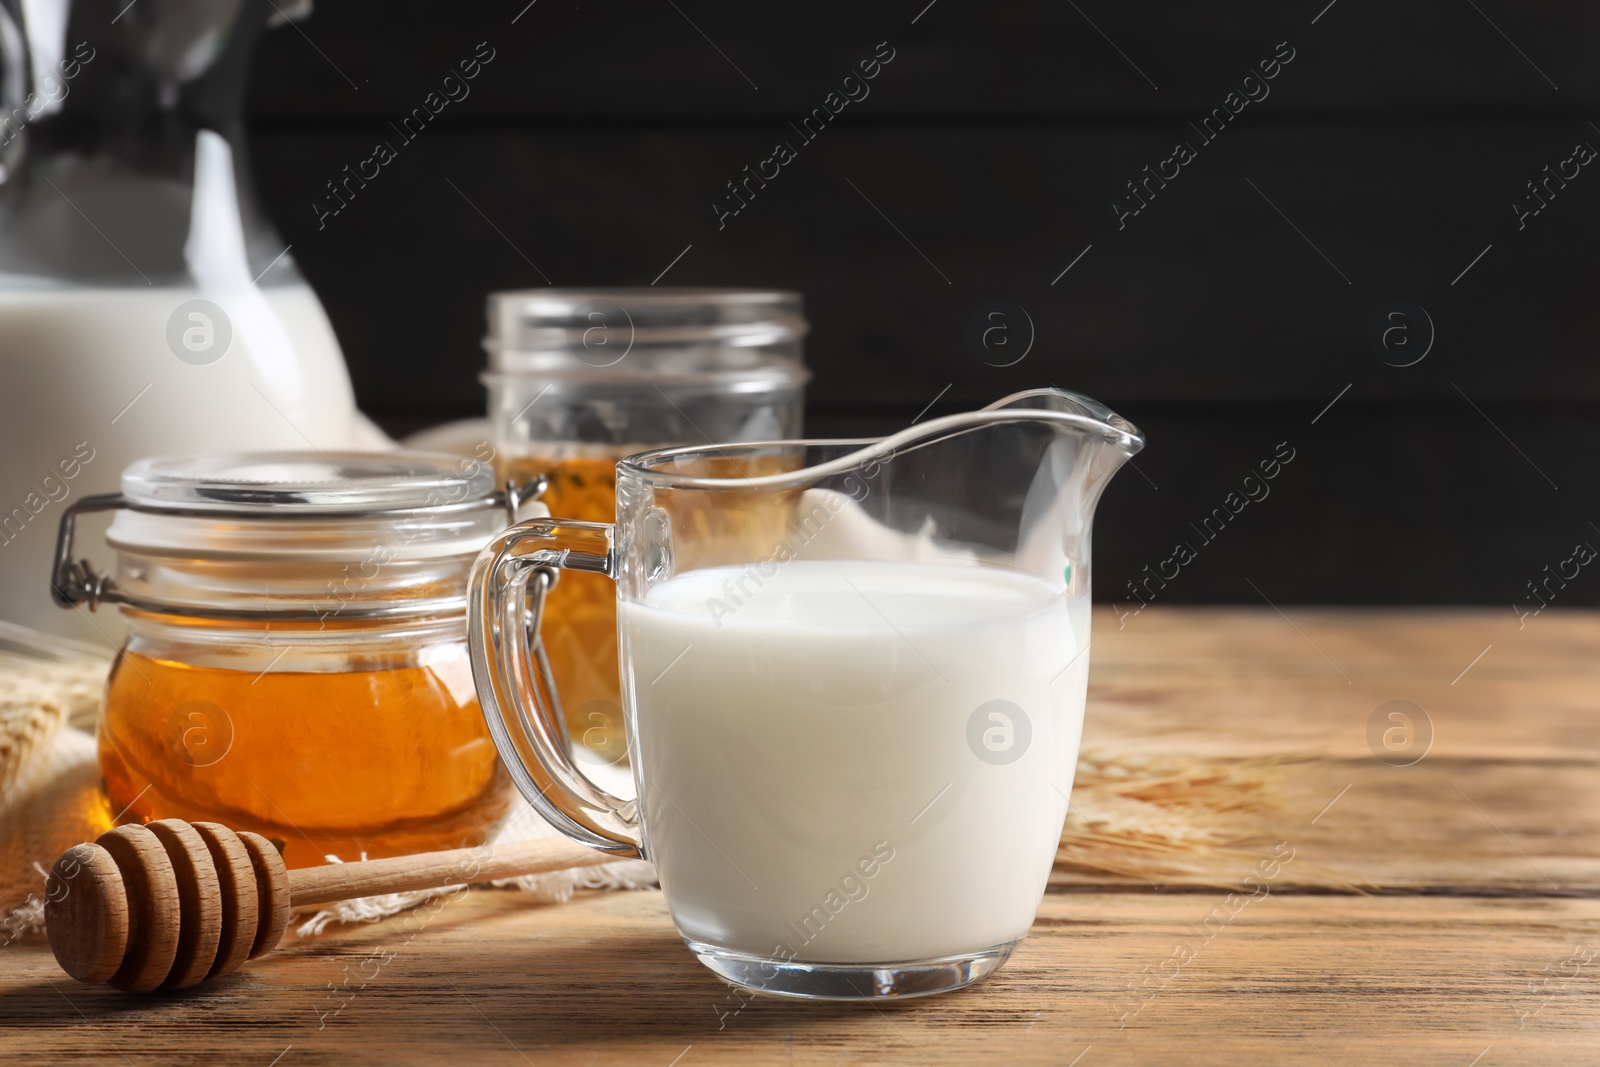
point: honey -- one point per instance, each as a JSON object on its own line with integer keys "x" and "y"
{"x": 580, "y": 616}
{"x": 375, "y": 762}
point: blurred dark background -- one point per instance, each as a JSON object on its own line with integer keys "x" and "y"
{"x": 1224, "y": 318}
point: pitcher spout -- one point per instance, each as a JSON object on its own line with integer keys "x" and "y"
{"x": 1112, "y": 428}
{"x": 1081, "y": 444}
{"x": 1092, "y": 443}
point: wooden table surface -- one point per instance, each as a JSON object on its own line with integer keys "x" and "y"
{"x": 1477, "y": 944}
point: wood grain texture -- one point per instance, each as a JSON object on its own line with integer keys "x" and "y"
{"x": 200, "y": 903}
{"x": 272, "y": 892}
{"x": 488, "y": 979}
{"x": 643, "y": 60}
{"x": 86, "y": 913}
{"x": 1232, "y": 280}
{"x": 241, "y": 901}
{"x": 1207, "y": 320}
{"x": 1482, "y": 938}
{"x": 1443, "y": 826}
{"x": 152, "y": 892}
{"x": 1393, "y": 152}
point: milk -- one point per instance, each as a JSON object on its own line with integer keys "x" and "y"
{"x": 824, "y": 772}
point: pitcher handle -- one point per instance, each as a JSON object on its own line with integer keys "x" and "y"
{"x": 511, "y": 576}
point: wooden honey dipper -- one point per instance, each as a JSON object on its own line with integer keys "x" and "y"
{"x": 171, "y": 904}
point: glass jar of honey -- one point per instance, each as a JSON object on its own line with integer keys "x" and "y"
{"x": 296, "y": 659}
{"x": 580, "y": 378}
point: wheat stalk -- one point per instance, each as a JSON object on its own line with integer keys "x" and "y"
{"x": 1187, "y": 818}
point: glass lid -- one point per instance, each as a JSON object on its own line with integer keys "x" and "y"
{"x": 302, "y": 536}
{"x": 308, "y": 482}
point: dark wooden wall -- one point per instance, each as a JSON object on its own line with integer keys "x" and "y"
{"x": 1223, "y": 318}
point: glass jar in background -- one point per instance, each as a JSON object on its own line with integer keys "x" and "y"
{"x": 296, "y": 661}
{"x": 580, "y": 378}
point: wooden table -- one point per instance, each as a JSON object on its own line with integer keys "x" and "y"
{"x": 1480, "y": 943}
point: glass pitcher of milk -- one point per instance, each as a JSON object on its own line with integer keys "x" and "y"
{"x": 854, "y": 678}
{"x": 147, "y": 307}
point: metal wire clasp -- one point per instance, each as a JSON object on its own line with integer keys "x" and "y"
{"x": 512, "y": 496}
{"x": 73, "y": 583}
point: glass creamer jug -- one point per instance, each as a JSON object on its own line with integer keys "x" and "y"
{"x": 854, "y": 676}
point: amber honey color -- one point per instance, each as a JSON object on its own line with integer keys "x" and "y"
{"x": 580, "y": 620}
{"x": 381, "y": 761}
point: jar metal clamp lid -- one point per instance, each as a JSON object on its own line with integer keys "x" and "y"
{"x": 255, "y": 536}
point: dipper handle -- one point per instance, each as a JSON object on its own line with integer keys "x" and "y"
{"x": 429, "y": 870}
{"x": 171, "y": 904}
